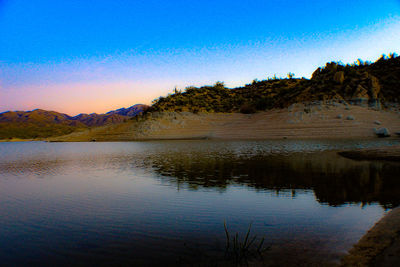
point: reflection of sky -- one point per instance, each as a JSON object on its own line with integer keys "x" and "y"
{"x": 92, "y": 56}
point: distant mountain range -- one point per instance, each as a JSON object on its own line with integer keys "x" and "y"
{"x": 114, "y": 116}
{"x": 42, "y": 123}
{"x": 130, "y": 112}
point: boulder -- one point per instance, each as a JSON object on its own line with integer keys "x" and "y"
{"x": 374, "y": 103}
{"x": 348, "y": 91}
{"x": 382, "y": 132}
{"x": 375, "y": 87}
{"x": 350, "y": 118}
{"x": 316, "y": 73}
{"x": 377, "y": 122}
{"x": 360, "y": 96}
{"x": 361, "y": 93}
{"x": 339, "y": 116}
{"x": 339, "y": 77}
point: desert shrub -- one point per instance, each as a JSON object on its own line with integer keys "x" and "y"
{"x": 247, "y": 109}
{"x": 264, "y": 103}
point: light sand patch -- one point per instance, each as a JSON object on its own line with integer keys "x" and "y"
{"x": 298, "y": 122}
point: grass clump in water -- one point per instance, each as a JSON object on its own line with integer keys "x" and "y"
{"x": 245, "y": 250}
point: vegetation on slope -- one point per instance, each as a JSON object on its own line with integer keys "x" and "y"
{"x": 362, "y": 81}
{"x": 33, "y": 131}
{"x": 217, "y": 98}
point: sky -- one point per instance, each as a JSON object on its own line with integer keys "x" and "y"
{"x": 84, "y": 56}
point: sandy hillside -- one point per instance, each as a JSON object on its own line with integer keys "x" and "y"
{"x": 298, "y": 121}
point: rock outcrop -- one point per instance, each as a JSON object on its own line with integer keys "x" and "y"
{"x": 339, "y": 77}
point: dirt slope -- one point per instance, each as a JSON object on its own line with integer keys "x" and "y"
{"x": 332, "y": 120}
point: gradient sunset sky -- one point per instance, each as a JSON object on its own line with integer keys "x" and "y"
{"x": 94, "y": 55}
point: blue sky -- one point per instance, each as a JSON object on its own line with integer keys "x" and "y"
{"x": 93, "y": 56}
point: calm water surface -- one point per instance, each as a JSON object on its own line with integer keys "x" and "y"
{"x": 163, "y": 203}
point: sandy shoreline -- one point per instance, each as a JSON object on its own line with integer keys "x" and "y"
{"x": 380, "y": 246}
{"x": 391, "y": 153}
{"x": 297, "y": 122}
{"x": 18, "y": 140}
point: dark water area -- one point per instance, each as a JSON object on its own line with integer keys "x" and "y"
{"x": 165, "y": 203}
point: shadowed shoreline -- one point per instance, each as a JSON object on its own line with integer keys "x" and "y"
{"x": 391, "y": 153}
{"x": 380, "y": 246}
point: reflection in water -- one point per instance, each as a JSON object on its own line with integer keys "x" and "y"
{"x": 335, "y": 180}
{"x": 126, "y": 202}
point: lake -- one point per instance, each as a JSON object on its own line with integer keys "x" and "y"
{"x": 165, "y": 202}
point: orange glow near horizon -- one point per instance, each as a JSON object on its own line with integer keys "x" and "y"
{"x": 76, "y": 98}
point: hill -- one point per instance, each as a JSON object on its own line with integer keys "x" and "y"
{"x": 40, "y": 123}
{"x": 35, "y": 123}
{"x": 364, "y": 83}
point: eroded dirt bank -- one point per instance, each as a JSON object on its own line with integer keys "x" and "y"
{"x": 298, "y": 121}
{"x": 391, "y": 153}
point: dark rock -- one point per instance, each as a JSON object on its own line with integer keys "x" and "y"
{"x": 375, "y": 104}
{"x": 382, "y": 132}
{"x": 361, "y": 92}
{"x": 375, "y": 87}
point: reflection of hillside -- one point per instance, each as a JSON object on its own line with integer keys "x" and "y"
{"x": 28, "y": 168}
{"x": 335, "y": 180}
